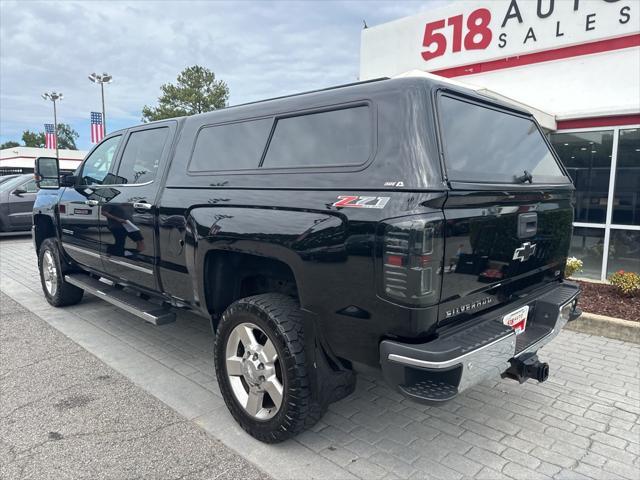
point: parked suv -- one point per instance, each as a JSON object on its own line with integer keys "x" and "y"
{"x": 403, "y": 224}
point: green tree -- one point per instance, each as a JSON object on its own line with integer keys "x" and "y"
{"x": 9, "y": 144}
{"x": 33, "y": 139}
{"x": 196, "y": 91}
{"x": 67, "y": 137}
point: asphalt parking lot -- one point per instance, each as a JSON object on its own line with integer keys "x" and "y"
{"x": 65, "y": 414}
{"x": 582, "y": 423}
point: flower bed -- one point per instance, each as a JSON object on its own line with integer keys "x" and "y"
{"x": 604, "y": 299}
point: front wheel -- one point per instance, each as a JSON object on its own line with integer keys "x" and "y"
{"x": 261, "y": 367}
{"x": 56, "y": 290}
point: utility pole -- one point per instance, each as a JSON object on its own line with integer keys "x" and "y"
{"x": 54, "y": 96}
{"x": 102, "y": 79}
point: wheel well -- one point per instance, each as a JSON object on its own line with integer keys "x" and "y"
{"x": 229, "y": 276}
{"x": 43, "y": 229}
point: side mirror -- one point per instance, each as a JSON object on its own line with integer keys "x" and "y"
{"x": 18, "y": 192}
{"x": 68, "y": 181}
{"x": 47, "y": 173}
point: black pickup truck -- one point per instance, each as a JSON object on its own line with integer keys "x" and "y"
{"x": 404, "y": 224}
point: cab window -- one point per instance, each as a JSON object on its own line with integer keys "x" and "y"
{"x": 142, "y": 155}
{"x": 98, "y": 163}
{"x": 30, "y": 186}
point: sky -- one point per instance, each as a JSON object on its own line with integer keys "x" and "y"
{"x": 260, "y": 49}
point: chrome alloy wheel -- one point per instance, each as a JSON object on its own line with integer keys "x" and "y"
{"x": 50, "y": 273}
{"x": 254, "y": 371}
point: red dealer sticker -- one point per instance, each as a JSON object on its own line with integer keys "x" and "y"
{"x": 354, "y": 201}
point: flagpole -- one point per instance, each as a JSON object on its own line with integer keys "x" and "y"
{"x": 54, "y": 96}
{"x": 102, "y": 79}
{"x": 55, "y": 126}
{"x": 104, "y": 117}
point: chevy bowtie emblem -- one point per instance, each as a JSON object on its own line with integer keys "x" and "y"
{"x": 524, "y": 252}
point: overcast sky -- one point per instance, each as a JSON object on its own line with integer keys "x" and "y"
{"x": 261, "y": 49}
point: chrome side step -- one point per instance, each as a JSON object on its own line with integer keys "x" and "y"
{"x": 152, "y": 313}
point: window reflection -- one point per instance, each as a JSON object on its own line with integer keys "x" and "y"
{"x": 587, "y": 157}
{"x": 587, "y": 244}
{"x": 626, "y": 200}
{"x": 624, "y": 251}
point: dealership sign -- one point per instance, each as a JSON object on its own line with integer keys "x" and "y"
{"x": 467, "y": 33}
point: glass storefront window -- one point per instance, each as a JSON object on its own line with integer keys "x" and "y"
{"x": 624, "y": 251}
{"x": 587, "y": 158}
{"x": 626, "y": 199}
{"x": 587, "y": 245}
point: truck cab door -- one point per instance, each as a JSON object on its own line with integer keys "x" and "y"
{"x": 129, "y": 211}
{"x": 79, "y": 206}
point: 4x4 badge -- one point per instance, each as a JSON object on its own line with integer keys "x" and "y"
{"x": 524, "y": 252}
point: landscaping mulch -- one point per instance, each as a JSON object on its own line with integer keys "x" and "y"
{"x": 603, "y": 299}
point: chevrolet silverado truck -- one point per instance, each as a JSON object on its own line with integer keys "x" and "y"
{"x": 404, "y": 224}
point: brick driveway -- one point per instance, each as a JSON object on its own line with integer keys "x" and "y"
{"x": 582, "y": 423}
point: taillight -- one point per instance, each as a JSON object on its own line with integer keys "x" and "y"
{"x": 412, "y": 259}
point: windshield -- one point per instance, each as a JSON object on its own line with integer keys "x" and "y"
{"x": 13, "y": 183}
{"x": 485, "y": 145}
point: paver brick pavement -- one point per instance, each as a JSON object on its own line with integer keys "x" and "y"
{"x": 582, "y": 423}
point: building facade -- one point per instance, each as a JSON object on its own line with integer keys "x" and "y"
{"x": 578, "y": 61}
{"x": 22, "y": 159}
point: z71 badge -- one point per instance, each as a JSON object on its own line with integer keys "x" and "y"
{"x": 354, "y": 201}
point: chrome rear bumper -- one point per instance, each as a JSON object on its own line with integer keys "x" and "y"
{"x": 438, "y": 370}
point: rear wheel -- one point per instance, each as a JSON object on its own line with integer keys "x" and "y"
{"x": 261, "y": 367}
{"x": 56, "y": 290}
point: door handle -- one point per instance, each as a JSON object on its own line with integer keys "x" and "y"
{"x": 92, "y": 203}
{"x": 142, "y": 206}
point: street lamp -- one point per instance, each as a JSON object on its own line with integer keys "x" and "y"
{"x": 54, "y": 97}
{"x": 102, "y": 79}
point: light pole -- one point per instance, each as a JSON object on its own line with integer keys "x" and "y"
{"x": 102, "y": 79}
{"x": 54, "y": 97}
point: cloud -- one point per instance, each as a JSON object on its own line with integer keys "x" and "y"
{"x": 261, "y": 49}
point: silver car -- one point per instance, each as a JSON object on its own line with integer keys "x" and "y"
{"x": 16, "y": 203}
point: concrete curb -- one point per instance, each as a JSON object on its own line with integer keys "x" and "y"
{"x": 609, "y": 327}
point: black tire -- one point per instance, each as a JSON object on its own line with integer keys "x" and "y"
{"x": 64, "y": 293}
{"x": 279, "y": 317}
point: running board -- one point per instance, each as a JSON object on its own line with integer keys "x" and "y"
{"x": 156, "y": 314}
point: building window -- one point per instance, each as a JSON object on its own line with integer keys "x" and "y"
{"x": 587, "y": 157}
{"x": 587, "y": 244}
{"x": 624, "y": 251}
{"x": 626, "y": 199}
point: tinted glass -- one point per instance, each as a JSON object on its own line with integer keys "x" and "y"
{"x": 97, "y": 165}
{"x": 142, "y": 155}
{"x": 587, "y": 158}
{"x": 339, "y": 137}
{"x": 11, "y": 184}
{"x": 624, "y": 251}
{"x": 587, "y": 245}
{"x": 626, "y": 200}
{"x": 30, "y": 186}
{"x": 235, "y": 146}
{"x": 486, "y": 145}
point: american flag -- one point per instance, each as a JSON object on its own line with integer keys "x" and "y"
{"x": 50, "y": 139}
{"x": 97, "y": 130}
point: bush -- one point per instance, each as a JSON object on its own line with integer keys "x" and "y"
{"x": 627, "y": 283}
{"x": 573, "y": 265}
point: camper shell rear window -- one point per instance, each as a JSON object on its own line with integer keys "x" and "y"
{"x": 485, "y": 144}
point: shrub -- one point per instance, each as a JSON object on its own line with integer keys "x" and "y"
{"x": 573, "y": 265}
{"x": 627, "y": 283}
